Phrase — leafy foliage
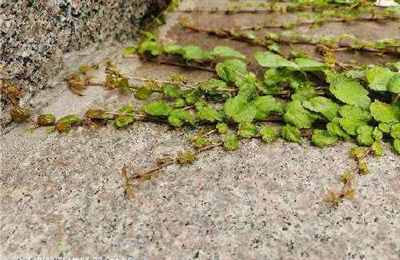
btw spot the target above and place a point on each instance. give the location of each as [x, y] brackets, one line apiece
[240, 110]
[231, 142]
[272, 60]
[352, 104]
[158, 109]
[379, 78]
[269, 133]
[231, 70]
[298, 96]
[226, 52]
[297, 115]
[349, 91]
[322, 105]
[291, 134]
[385, 113]
[323, 138]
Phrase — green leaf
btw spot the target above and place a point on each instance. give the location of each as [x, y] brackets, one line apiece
[322, 138]
[266, 105]
[64, 124]
[363, 167]
[150, 46]
[231, 70]
[385, 113]
[226, 52]
[175, 121]
[274, 76]
[349, 91]
[46, 120]
[222, 128]
[129, 51]
[193, 52]
[272, 60]
[240, 110]
[385, 127]
[359, 153]
[379, 78]
[297, 115]
[306, 64]
[231, 142]
[355, 74]
[394, 84]
[98, 114]
[269, 133]
[157, 108]
[291, 134]
[125, 116]
[274, 47]
[179, 116]
[207, 113]
[247, 86]
[199, 141]
[364, 135]
[247, 130]
[350, 125]
[335, 129]
[122, 121]
[70, 119]
[304, 93]
[377, 148]
[395, 132]
[396, 145]
[192, 96]
[355, 113]
[127, 109]
[179, 102]
[214, 87]
[377, 134]
[171, 90]
[173, 49]
[322, 105]
[185, 157]
[143, 93]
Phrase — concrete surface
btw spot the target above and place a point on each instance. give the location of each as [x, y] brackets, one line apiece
[62, 195]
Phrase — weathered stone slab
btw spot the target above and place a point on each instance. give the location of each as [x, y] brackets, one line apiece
[63, 195]
[35, 34]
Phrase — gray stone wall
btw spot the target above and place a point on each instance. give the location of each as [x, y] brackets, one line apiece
[34, 34]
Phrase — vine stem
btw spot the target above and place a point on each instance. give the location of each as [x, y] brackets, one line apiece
[159, 166]
[279, 8]
[166, 61]
[208, 147]
[311, 22]
[287, 39]
[150, 172]
[186, 65]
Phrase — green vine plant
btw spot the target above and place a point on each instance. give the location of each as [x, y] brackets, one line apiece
[297, 99]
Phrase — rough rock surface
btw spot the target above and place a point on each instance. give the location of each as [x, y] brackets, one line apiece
[34, 35]
[63, 195]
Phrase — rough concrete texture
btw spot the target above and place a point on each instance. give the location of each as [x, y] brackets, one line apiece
[34, 35]
[62, 195]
